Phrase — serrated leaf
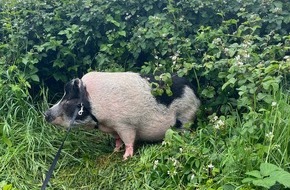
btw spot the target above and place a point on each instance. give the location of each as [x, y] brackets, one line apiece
[209, 92]
[266, 169]
[266, 182]
[255, 173]
[282, 177]
[248, 180]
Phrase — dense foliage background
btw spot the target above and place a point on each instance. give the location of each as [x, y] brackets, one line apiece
[235, 52]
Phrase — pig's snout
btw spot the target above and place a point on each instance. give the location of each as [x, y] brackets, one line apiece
[48, 116]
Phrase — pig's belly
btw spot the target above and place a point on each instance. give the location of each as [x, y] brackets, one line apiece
[152, 134]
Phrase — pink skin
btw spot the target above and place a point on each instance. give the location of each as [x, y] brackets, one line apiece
[129, 151]
[127, 135]
[119, 143]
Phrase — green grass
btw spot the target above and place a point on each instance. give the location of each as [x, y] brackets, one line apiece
[232, 144]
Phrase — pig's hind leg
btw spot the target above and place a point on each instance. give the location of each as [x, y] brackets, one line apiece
[127, 135]
[118, 143]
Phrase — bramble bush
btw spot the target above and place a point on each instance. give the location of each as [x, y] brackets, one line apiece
[236, 53]
[233, 51]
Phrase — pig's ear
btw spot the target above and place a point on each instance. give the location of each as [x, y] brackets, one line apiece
[76, 83]
[77, 87]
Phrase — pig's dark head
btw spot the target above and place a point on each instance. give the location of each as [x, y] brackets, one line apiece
[75, 97]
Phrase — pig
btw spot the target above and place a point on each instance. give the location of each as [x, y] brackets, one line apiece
[121, 103]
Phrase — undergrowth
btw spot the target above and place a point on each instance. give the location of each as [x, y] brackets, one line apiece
[236, 53]
[220, 154]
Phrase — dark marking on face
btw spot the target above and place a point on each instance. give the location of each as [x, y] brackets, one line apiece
[177, 88]
[75, 95]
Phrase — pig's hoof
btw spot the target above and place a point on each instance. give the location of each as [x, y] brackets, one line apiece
[128, 152]
[126, 157]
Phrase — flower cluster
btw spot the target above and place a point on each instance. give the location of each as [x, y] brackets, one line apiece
[218, 123]
[270, 135]
[155, 164]
[175, 57]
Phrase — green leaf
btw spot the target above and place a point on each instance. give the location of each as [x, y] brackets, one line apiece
[228, 187]
[7, 187]
[35, 78]
[109, 18]
[7, 141]
[266, 169]
[248, 180]
[278, 4]
[58, 64]
[282, 177]
[229, 82]
[168, 92]
[122, 33]
[208, 92]
[255, 173]
[25, 60]
[169, 134]
[266, 182]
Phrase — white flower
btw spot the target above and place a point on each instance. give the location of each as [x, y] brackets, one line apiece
[180, 150]
[174, 173]
[128, 17]
[215, 118]
[274, 104]
[270, 135]
[247, 55]
[220, 122]
[192, 177]
[210, 166]
[175, 162]
[239, 63]
[216, 126]
[174, 57]
[155, 164]
[217, 41]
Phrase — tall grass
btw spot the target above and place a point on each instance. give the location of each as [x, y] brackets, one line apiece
[217, 154]
[278, 131]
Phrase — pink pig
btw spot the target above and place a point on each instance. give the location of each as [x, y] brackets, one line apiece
[122, 104]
